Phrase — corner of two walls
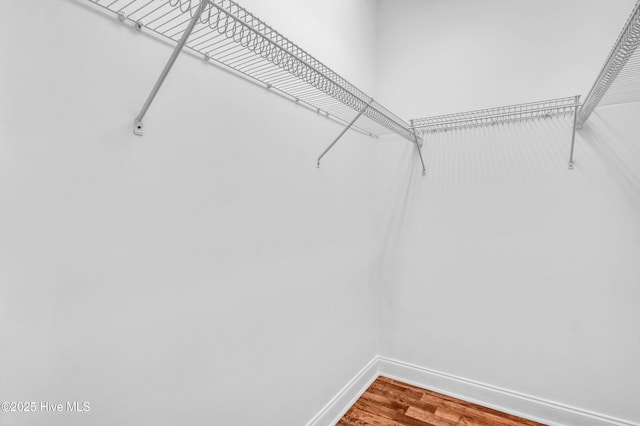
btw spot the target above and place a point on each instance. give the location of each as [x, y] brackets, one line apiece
[501, 266]
[179, 270]
[515, 272]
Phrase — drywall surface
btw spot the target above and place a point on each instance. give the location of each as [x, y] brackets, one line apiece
[440, 56]
[503, 267]
[206, 273]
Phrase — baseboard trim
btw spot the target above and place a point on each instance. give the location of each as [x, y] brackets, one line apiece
[346, 397]
[505, 400]
[519, 404]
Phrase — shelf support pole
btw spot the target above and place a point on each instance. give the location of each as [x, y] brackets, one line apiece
[343, 132]
[137, 126]
[573, 135]
[415, 138]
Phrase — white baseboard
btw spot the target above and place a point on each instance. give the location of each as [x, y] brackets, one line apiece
[505, 400]
[348, 395]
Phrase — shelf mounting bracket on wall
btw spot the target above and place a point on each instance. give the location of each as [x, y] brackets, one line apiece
[419, 146]
[362, 111]
[573, 135]
[137, 125]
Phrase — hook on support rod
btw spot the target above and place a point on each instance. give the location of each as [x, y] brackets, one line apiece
[137, 125]
[343, 132]
[573, 135]
[415, 138]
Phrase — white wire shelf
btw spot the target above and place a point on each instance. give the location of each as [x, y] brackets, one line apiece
[619, 78]
[626, 87]
[498, 115]
[503, 115]
[227, 34]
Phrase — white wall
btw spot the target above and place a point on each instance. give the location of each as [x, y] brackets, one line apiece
[502, 266]
[209, 273]
[204, 273]
[441, 56]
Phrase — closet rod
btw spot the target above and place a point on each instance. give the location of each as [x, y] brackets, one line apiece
[622, 50]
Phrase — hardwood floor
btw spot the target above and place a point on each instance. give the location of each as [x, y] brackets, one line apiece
[388, 402]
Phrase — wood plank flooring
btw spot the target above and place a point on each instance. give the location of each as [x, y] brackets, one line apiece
[388, 402]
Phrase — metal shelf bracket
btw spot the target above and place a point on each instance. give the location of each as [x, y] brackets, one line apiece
[573, 135]
[419, 145]
[343, 132]
[137, 126]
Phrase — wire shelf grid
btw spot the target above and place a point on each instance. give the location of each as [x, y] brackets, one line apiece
[497, 115]
[626, 87]
[622, 63]
[229, 35]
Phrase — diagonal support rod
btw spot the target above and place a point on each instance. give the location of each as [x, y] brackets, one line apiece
[343, 132]
[137, 126]
[573, 135]
[415, 138]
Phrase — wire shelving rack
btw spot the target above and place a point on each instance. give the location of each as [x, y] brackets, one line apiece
[223, 32]
[621, 70]
[626, 87]
[497, 115]
[502, 115]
